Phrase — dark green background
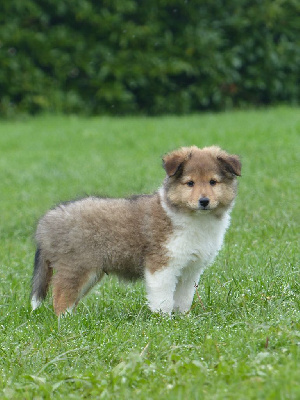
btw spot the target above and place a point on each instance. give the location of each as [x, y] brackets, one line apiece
[147, 57]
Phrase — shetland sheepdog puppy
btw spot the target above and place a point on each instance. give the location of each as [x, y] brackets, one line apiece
[166, 238]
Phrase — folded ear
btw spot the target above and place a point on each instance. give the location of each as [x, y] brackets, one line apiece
[173, 162]
[230, 163]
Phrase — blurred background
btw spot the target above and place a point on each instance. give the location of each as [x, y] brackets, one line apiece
[151, 57]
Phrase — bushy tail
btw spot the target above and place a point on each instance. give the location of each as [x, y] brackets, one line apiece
[41, 278]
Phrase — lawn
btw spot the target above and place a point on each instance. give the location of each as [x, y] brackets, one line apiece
[241, 339]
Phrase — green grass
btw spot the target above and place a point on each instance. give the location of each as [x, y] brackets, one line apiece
[241, 341]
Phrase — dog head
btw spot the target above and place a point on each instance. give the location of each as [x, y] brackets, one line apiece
[201, 180]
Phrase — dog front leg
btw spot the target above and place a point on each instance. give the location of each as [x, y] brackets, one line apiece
[160, 287]
[185, 289]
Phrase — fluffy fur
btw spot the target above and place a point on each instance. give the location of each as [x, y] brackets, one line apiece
[167, 238]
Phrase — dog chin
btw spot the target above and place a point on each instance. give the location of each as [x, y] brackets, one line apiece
[204, 210]
[200, 210]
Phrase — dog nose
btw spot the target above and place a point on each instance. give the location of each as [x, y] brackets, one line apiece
[204, 201]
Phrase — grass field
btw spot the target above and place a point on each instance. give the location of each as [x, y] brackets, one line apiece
[241, 339]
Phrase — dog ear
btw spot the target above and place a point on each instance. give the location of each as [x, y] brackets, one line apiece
[230, 163]
[173, 162]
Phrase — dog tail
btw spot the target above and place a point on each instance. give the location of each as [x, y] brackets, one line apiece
[41, 278]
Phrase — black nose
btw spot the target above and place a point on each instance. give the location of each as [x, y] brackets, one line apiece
[204, 201]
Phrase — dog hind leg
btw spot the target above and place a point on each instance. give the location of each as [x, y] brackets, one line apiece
[70, 288]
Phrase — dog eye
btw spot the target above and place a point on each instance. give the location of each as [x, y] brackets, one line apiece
[190, 183]
[212, 182]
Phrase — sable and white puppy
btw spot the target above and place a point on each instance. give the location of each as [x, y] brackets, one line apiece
[167, 238]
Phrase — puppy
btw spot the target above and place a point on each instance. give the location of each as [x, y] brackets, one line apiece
[167, 238]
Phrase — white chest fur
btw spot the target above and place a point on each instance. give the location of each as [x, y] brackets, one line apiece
[196, 238]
